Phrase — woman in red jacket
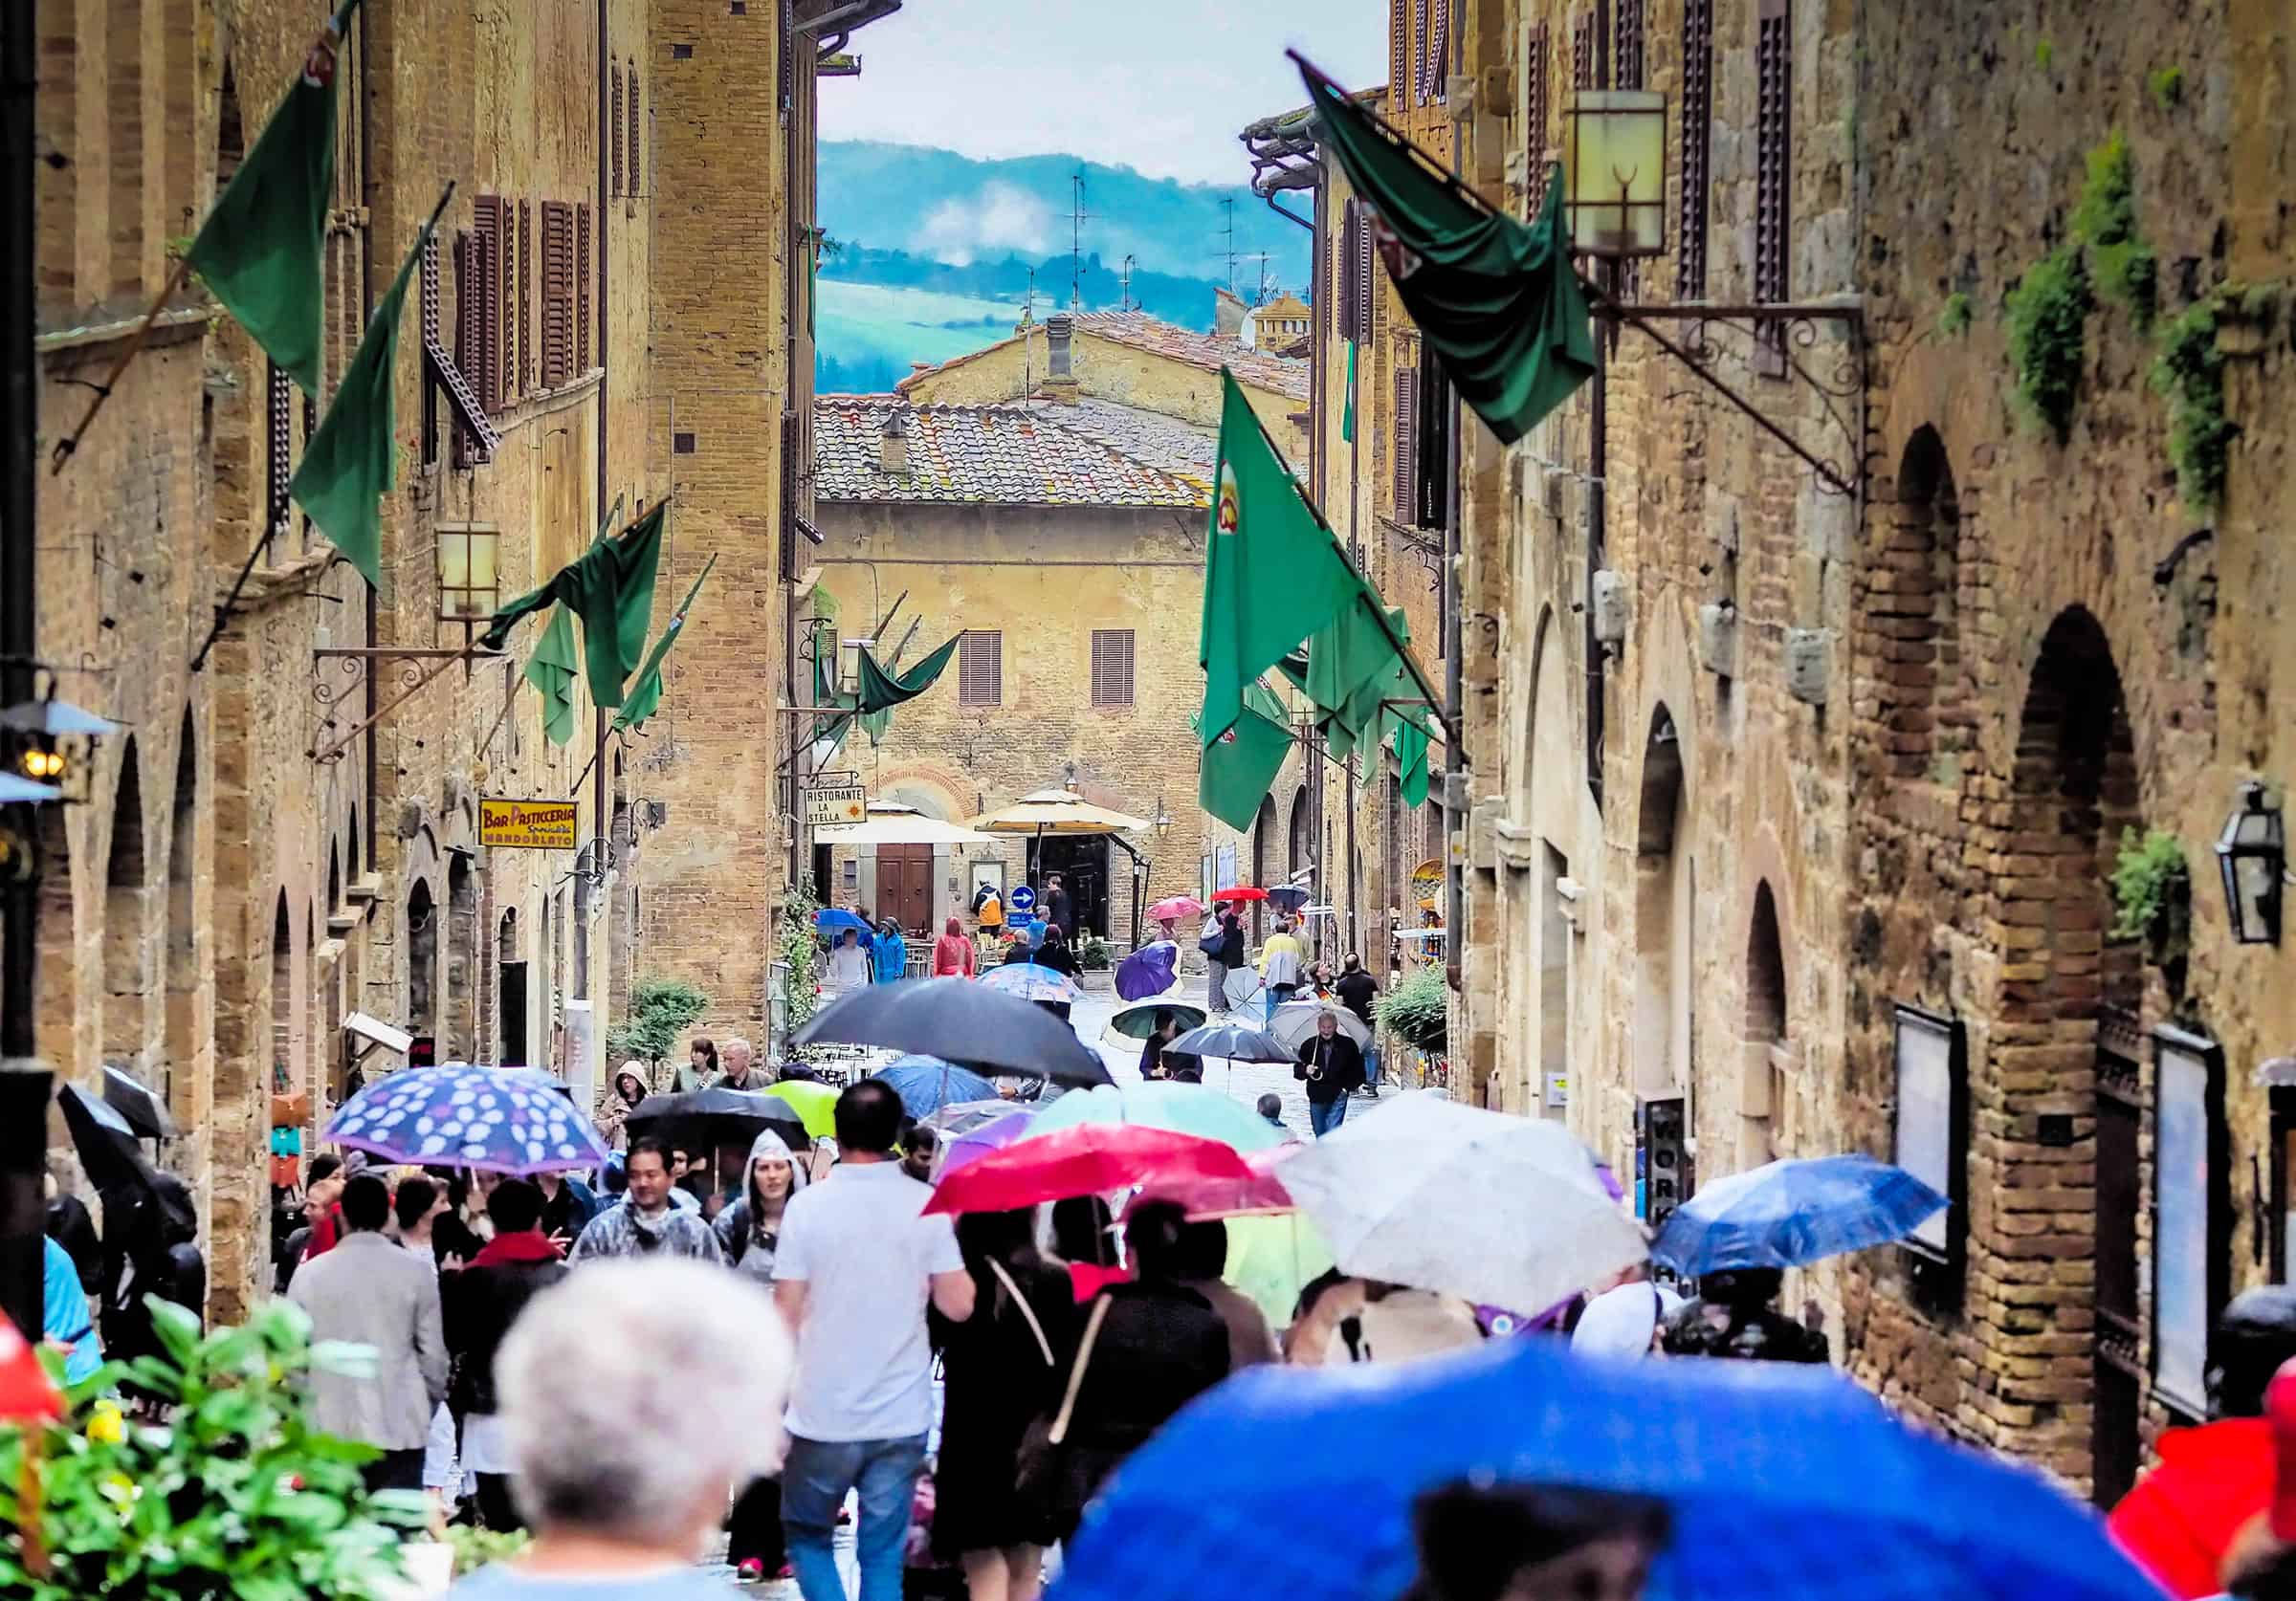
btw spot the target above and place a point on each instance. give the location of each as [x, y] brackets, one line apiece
[953, 955]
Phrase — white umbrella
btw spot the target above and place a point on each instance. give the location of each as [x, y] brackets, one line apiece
[1502, 1211]
[1057, 811]
[1294, 1023]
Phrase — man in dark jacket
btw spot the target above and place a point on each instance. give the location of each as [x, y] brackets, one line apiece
[567, 1207]
[1059, 912]
[480, 1304]
[149, 1240]
[1732, 1317]
[1356, 989]
[1331, 1065]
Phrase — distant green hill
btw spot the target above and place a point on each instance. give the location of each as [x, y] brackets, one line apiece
[934, 252]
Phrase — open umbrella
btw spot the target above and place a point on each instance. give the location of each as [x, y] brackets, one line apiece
[831, 920]
[108, 1151]
[510, 1119]
[1151, 970]
[816, 1102]
[1183, 1109]
[1205, 1200]
[1089, 1160]
[1507, 1211]
[961, 1022]
[1029, 981]
[1175, 908]
[1782, 1482]
[1239, 892]
[1289, 897]
[1787, 1213]
[1234, 1042]
[972, 1131]
[699, 1118]
[146, 1112]
[926, 1084]
[1294, 1023]
[1137, 1022]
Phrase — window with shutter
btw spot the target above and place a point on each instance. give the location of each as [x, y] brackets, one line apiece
[1351, 219]
[278, 395]
[513, 274]
[637, 135]
[1626, 48]
[1367, 276]
[582, 288]
[1406, 444]
[526, 294]
[1111, 666]
[558, 294]
[486, 238]
[1582, 51]
[474, 437]
[792, 440]
[1439, 53]
[1418, 53]
[785, 49]
[1772, 162]
[980, 669]
[1697, 140]
[1434, 441]
[1399, 58]
[615, 94]
[1539, 130]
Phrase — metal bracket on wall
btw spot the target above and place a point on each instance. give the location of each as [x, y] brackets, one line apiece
[1788, 329]
[417, 667]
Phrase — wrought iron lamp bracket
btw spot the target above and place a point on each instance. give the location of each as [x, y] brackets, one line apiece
[337, 675]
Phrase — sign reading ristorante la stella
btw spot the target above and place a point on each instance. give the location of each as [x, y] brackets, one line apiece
[528, 825]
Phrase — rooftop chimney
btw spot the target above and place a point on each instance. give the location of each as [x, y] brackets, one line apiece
[893, 445]
[1060, 375]
[1227, 314]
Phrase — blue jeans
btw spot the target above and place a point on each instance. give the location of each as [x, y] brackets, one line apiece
[1323, 1116]
[1371, 1065]
[1276, 996]
[814, 1481]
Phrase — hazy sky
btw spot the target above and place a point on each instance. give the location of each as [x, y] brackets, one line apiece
[1160, 85]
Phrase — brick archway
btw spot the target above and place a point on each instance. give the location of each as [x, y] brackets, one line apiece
[2053, 1149]
[1909, 646]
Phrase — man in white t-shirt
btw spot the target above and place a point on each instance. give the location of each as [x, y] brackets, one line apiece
[856, 1265]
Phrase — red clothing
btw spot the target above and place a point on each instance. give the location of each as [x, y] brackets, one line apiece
[1088, 1278]
[2180, 1519]
[524, 1246]
[953, 957]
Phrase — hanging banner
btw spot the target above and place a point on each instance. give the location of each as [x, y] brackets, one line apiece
[529, 825]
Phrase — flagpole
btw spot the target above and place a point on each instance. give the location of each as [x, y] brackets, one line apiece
[1395, 135]
[65, 446]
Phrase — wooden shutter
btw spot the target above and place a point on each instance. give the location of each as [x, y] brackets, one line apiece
[486, 239]
[792, 440]
[1367, 276]
[558, 294]
[1626, 49]
[279, 408]
[1537, 66]
[582, 288]
[785, 49]
[1111, 666]
[637, 133]
[980, 669]
[1399, 59]
[1772, 162]
[1697, 131]
[1439, 53]
[1582, 51]
[615, 94]
[1418, 53]
[1406, 444]
[526, 372]
[1351, 219]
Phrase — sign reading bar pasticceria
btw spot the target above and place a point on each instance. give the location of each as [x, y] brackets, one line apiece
[828, 805]
[528, 825]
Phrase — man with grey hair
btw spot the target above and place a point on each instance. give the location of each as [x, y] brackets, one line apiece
[619, 1487]
[737, 1053]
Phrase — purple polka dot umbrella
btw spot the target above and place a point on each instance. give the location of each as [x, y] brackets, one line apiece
[509, 1120]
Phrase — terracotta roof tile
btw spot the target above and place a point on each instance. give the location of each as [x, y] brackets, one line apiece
[1143, 331]
[980, 454]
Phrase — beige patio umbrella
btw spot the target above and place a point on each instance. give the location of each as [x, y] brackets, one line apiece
[890, 822]
[1057, 811]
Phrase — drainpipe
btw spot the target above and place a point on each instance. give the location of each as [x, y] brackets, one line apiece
[601, 846]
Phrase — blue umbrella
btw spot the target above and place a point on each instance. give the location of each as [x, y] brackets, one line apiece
[1288, 897]
[1783, 1483]
[961, 1020]
[829, 920]
[926, 1084]
[1234, 1042]
[1791, 1213]
[1148, 971]
[1030, 981]
[513, 1120]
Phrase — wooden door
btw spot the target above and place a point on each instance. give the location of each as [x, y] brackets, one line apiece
[905, 886]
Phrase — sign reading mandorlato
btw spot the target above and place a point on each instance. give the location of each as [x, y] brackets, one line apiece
[528, 825]
[832, 805]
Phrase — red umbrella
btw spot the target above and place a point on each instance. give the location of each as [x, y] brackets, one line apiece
[1090, 1159]
[26, 1393]
[1245, 893]
[1262, 1195]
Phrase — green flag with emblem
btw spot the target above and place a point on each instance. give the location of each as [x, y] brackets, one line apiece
[261, 249]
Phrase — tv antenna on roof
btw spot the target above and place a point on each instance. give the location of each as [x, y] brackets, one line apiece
[1261, 256]
[1124, 295]
[1230, 205]
[1076, 244]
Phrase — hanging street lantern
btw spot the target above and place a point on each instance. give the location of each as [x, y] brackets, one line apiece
[470, 586]
[2253, 854]
[1615, 173]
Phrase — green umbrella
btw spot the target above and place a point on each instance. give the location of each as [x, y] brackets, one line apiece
[815, 1103]
[1137, 1022]
[1182, 1109]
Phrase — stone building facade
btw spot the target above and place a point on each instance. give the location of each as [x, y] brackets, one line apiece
[260, 854]
[1805, 774]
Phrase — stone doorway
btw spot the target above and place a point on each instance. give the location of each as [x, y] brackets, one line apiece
[905, 887]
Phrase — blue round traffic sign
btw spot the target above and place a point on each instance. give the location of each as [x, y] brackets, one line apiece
[1023, 898]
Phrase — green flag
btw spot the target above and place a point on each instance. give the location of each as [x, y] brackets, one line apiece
[611, 589]
[646, 694]
[1355, 654]
[1274, 574]
[260, 249]
[882, 690]
[352, 461]
[551, 670]
[1347, 417]
[1411, 751]
[1495, 300]
[1237, 767]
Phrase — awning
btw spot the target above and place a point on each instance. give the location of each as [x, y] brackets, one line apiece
[890, 822]
[1057, 811]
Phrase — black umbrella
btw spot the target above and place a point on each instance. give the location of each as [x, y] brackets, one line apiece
[961, 1022]
[1234, 1042]
[698, 1118]
[146, 1112]
[106, 1145]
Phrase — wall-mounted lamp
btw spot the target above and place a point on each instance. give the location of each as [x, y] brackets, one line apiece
[50, 743]
[2253, 854]
[1615, 173]
[469, 584]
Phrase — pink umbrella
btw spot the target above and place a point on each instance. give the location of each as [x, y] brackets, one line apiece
[1173, 907]
[1090, 1159]
[1262, 1195]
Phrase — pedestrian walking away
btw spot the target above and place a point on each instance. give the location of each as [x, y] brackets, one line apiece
[370, 1292]
[1059, 910]
[749, 1233]
[1356, 991]
[1280, 967]
[648, 1222]
[856, 1266]
[1057, 955]
[605, 1462]
[483, 1303]
[1199, 1262]
[1270, 1108]
[1331, 1067]
[953, 955]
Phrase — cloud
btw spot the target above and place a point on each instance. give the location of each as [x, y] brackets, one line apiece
[998, 220]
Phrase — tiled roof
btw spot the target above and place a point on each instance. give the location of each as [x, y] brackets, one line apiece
[1182, 449]
[1143, 331]
[980, 454]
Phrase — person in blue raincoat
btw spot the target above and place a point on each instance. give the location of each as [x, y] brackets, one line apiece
[889, 951]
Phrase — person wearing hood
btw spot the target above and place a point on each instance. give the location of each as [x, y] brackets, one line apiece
[1732, 1317]
[480, 1305]
[646, 1223]
[889, 954]
[152, 1253]
[613, 1120]
[2180, 1520]
[748, 1232]
[953, 955]
[1624, 1321]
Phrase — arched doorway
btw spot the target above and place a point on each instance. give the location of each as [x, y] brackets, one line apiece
[126, 937]
[1914, 640]
[286, 1058]
[422, 961]
[510, 975]
[1660, 1043]
[182, 1028]
[462, 959]
[1768, 1078]
[1301, 858]
[2073, 792]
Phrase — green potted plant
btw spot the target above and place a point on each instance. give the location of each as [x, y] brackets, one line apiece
[1416, 1009]
[237, 1498]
